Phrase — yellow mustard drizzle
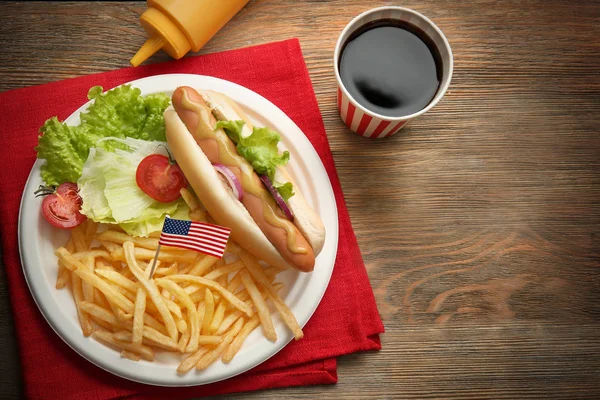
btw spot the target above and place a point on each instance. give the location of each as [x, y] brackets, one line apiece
[228, 156]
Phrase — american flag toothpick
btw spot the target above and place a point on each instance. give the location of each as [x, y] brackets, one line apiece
[193, 235]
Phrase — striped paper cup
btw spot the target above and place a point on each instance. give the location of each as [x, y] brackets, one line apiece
[370, 124]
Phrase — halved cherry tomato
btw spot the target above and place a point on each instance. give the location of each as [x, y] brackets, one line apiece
[61, 207]
[159, 178]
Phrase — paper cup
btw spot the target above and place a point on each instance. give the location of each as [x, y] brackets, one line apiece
[370, 124]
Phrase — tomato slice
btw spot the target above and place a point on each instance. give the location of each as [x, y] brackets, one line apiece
[160, 179]
[62, 208]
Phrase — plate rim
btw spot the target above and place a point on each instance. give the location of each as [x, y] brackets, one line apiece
[96, 360]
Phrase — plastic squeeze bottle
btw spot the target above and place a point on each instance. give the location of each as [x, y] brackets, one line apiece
[178, 26]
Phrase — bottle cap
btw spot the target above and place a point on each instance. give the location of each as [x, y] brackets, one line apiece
[151, 46]
[164, 34]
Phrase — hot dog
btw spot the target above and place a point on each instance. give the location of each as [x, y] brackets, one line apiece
[257, 220]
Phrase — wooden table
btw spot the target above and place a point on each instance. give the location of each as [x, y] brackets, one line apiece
[479, 223]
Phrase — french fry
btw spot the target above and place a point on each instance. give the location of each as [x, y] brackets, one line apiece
[79, 270]
[196, 295]
[132, 287]
[277, 286]
[113, 307]
[183, 341]
[215, 286]
[84, 319]
[234, 283]
[167, 344]
[89, 231]
[110, 246]
[152, 290]
[119, 279]
[164, 271]
[107, 337]
[198, 215]
[190, 361]
[63, 276]
[256, 270]
[182, 325]
[123, 316]
[138, 316]
[209, 339]
[151, 322]
[209, 309]
[213, 354]
[171, 306]
[236, 344]
[127, 273]
[102, 324]
[222, 280]
[129, 295]
[130, 355]
[218, 316]
[123, 335]
[272, 272]
[86, 288]
[224, 270]
[70, 246]
[228, 321]
[100, 299]
[120, 238]
[99, 312]
[287, 315]
[192, 313]
[203, 265]
[190, 199]
[185, 270]
[196, 304]
[232, 247]
[102, 265]
[261, 307]
[243, 295]
[78, 237]
[224, 306]
[201, 311]
[146, 266]
[163, 255]
[151, 337]
[93, 253]
[235, 315]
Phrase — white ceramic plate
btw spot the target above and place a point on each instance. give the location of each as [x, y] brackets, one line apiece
[303, 292]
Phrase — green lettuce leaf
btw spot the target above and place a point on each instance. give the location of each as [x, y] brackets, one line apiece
[285, 191]
[110, 192]
[260, 150]
[121, 112]
[63, 148]
[148, 224]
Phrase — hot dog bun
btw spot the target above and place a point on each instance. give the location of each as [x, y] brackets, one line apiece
[257, 222]
[305, 218]
[220, 202]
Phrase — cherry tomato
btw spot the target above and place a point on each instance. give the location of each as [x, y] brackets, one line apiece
[160, 179]
[61, 208]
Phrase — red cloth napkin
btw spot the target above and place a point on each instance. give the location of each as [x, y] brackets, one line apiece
[347, 319]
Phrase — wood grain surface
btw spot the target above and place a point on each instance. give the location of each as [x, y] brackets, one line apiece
[479, 223]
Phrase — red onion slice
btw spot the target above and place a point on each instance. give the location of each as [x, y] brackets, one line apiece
[282, 204]
[231, 179]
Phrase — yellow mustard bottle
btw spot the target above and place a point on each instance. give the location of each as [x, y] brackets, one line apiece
[178, 26]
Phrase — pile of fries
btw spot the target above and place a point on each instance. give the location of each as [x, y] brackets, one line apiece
[195, 304]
